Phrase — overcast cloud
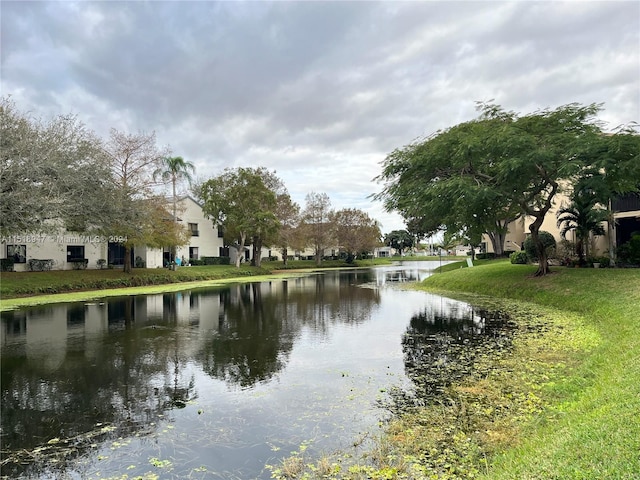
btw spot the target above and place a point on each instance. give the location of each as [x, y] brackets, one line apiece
[319, 91]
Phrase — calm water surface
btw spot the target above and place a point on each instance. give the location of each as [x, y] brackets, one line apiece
[217, 383]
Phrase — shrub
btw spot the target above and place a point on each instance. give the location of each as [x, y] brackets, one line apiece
[36, 265]
[80, 264]
[602, 260]
[216, 260]
[629, 252]
[566, 249]
[485, 256]
[6, 264]
[548, 240]
[101, 263]
[519, 258]
[139, 262]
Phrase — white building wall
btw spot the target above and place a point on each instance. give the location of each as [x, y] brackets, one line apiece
[55, 247]
[207, 241]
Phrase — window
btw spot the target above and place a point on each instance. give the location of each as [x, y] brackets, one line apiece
[220, 232]
[193, 228]
[18, 253]
[115, 254]
[75, 252]
[193, 253]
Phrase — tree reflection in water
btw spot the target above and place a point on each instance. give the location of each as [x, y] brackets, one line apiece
[442, 345]
[78, 375]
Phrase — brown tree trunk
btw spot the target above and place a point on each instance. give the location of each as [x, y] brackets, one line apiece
[127, 259]
[256, 261]
[543, 261]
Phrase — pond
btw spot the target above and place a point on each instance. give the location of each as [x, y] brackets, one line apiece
[220, 382]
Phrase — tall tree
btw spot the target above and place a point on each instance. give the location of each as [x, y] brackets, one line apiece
[355, 232]
[174, 170]
[288, 215]
[266, 232]
[498, 167]
[241, 203]
[539, 151]
[52, 174]
[399, 240]
[445, 183]
[316, 223]
[134, 158]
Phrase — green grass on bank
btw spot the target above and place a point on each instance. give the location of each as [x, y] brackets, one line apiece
[591, 426]
[19, 284]
[14, 284]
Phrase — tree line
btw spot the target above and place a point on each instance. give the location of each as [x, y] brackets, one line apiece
[479, 176]
[59, 174]
[253, 207]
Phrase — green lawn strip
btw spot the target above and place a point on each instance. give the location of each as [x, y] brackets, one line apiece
[13, 284]
[589, 426]
[16, 284]
[13, 303]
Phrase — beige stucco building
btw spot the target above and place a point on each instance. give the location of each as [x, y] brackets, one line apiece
[626, 213]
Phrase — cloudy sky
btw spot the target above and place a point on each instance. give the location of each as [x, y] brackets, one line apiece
[320, 92]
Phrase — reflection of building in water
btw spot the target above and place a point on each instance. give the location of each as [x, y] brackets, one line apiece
[43, 332]
[405, 271]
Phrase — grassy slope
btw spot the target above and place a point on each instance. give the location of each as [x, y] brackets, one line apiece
[596, 428]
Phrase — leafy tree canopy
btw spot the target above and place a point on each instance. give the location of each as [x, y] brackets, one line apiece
[315, 224]
[50, 172]
[355, 231]
[288, 215]
[240, 201]
[483, 174]
[399, 239]
[135, 207]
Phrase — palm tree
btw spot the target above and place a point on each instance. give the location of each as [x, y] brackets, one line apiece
[582, 217]
[175, 169]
